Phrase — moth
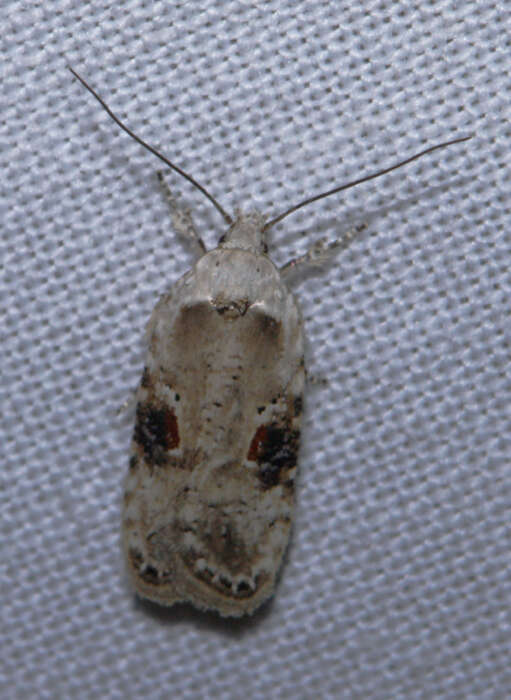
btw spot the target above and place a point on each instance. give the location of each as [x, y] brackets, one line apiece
[208, 502]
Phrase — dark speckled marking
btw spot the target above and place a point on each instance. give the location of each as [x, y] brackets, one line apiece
[136, 558]
[237, 307]
[275, 449]
[146, 378]
[149, 574]
[156, 431]
[225, 582]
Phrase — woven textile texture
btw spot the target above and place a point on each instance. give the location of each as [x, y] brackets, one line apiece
[397, 583]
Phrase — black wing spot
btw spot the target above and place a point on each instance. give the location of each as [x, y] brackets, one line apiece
[275, 449]
[149, 574]
[156, 430]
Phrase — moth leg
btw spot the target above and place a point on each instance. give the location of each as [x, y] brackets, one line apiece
[181, 218]
[321, 250]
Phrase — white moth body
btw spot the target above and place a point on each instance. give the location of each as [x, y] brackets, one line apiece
[209, 494]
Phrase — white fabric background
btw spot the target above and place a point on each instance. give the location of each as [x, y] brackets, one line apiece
[398, 579]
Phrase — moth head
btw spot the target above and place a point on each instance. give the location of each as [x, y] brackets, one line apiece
[246, 232]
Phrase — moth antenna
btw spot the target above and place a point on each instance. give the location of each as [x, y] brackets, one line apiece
[309, 200]
[159, 155]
